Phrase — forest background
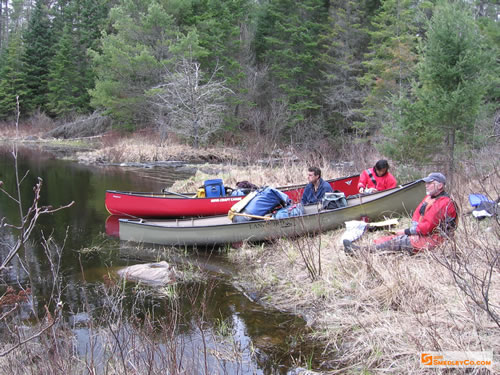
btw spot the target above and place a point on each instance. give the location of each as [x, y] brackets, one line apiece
[419, 80]
[416, 81]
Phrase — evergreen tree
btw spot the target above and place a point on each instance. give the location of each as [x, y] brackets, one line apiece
[38, 51]
[346, 41]
[77, 24]
[392, 57]
[218, 25]
[131, 60]
[67, 91]
[221, 27]
[12, 79]
[288, 39]
[445, 101]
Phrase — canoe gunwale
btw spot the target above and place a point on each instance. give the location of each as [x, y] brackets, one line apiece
[169, 230]
[165, 205]
[191, 195]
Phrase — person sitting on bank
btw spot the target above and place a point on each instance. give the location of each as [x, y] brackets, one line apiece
[433, 221]
[316, 188]
[376, 179]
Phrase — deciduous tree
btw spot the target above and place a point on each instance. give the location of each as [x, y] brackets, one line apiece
[189, 103]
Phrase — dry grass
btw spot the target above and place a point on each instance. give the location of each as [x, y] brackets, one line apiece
[375, 312]
[141, 148]
[289, 173]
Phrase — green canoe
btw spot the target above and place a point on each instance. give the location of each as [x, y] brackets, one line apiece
[219, 229]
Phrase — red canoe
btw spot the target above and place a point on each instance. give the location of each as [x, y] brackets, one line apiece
[181, 205]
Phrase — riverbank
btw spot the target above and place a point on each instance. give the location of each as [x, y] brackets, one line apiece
[375, 313]
[372, 313]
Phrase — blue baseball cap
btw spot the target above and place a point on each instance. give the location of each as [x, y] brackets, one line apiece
[436, 176]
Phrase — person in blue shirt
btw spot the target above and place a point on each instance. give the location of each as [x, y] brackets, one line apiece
[316, 188]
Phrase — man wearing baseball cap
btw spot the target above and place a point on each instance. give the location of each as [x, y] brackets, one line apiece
[433, 221]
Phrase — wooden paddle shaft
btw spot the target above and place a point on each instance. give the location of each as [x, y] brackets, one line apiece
[253, 216]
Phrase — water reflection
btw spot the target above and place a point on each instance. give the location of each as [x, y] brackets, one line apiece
[265, 339]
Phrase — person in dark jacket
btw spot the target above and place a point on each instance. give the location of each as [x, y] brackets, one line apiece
[433, 221]
[316, 188]
[376, 179]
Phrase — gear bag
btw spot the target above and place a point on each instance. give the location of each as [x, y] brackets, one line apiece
[289, 211]
[333, 200]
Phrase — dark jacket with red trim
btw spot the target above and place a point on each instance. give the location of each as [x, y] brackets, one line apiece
[434, 219]
[387, 181]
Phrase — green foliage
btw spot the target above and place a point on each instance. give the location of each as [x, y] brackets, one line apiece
[294, 68]
[131, 60]
[218, 25]
[288, 40]
[12, 79]
[449, 94]
[390, 62]
[346, 40]
[67, 85]
[38, 51]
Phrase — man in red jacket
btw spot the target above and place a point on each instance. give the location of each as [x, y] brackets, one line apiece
[376, 179]
[433, 221]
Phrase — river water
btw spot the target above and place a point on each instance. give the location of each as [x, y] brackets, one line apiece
[269, 341]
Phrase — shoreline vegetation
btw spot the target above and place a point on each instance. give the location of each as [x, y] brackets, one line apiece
[372, 313]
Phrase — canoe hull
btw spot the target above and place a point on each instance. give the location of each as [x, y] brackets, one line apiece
[135, 204]
[218, 230]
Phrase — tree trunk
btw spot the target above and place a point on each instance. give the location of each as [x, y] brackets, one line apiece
[1, 25]
[196, 135]
[450, 163]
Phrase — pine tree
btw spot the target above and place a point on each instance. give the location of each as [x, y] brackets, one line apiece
[12, 79]
[131, 60]
[77, 25]
[288, 40]
[66, 84]
[445, 101]
[346, 41]
[38, 52]
[221, 27]
[392, 57]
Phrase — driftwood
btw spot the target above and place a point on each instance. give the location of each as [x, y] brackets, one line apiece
[95, 124]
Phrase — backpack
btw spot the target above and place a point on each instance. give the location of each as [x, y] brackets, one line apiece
[333, 200]
[214, 188]
[246, 185]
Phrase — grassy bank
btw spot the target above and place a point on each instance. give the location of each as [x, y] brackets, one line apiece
[376, 312]
[373, 313]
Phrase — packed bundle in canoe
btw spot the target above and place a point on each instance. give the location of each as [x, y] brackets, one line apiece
[168, 204]
[220, 229]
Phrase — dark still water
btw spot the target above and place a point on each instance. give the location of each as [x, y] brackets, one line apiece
[216, 328]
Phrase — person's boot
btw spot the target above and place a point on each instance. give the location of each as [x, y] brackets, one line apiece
[349, 247]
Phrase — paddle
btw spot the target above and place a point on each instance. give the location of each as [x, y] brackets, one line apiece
[171, 192]
[253, 216]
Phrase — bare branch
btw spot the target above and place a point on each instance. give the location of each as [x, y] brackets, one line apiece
[188, 104]
[22, 342]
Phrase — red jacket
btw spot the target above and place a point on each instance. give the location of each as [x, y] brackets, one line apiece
[433, 222]
[384, 182]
